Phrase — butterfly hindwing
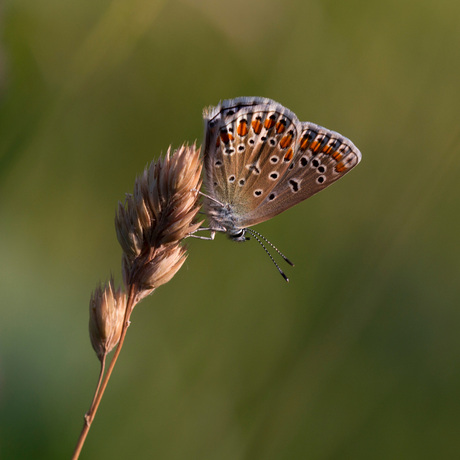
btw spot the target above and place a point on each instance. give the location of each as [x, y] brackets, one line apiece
[321, 158]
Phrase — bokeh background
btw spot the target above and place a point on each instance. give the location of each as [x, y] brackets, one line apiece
[357, 357]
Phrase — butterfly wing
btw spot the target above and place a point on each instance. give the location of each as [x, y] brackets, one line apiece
[321, 157]
[261, 160]
[248, 147]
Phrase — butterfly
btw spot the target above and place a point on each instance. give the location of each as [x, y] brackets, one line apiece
[260, 160]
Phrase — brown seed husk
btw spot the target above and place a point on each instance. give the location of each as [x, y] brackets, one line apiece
[106, 314]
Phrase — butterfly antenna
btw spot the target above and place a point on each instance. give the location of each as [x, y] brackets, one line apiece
[254, 233]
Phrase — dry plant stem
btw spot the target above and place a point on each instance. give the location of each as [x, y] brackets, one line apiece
[102, 383]
[99, 382]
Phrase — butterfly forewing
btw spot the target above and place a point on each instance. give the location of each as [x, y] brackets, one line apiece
[248, 149]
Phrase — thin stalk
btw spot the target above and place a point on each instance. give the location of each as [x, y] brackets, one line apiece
[102, 383]
[99, 382]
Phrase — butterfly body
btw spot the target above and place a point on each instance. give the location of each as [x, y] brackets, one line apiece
[261, 160]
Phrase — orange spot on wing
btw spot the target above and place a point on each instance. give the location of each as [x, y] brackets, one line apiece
[257, 126]
[286, 141]
[327, 149]
[226, 137]
[242, 129]
[340, 167]
[280, 127]
[314, 146]
[337, 156]
[269, 123]
[304, 143]
[289, 155]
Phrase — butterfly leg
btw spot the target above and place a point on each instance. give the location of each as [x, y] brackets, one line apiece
[201, 229]
[207, 196]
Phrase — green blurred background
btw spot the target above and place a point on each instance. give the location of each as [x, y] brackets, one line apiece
[357, 357]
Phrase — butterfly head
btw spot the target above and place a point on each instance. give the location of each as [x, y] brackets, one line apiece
[238, 234]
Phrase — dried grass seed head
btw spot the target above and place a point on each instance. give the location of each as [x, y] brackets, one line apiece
[106, 315]
[163, 206]
[160, 269]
